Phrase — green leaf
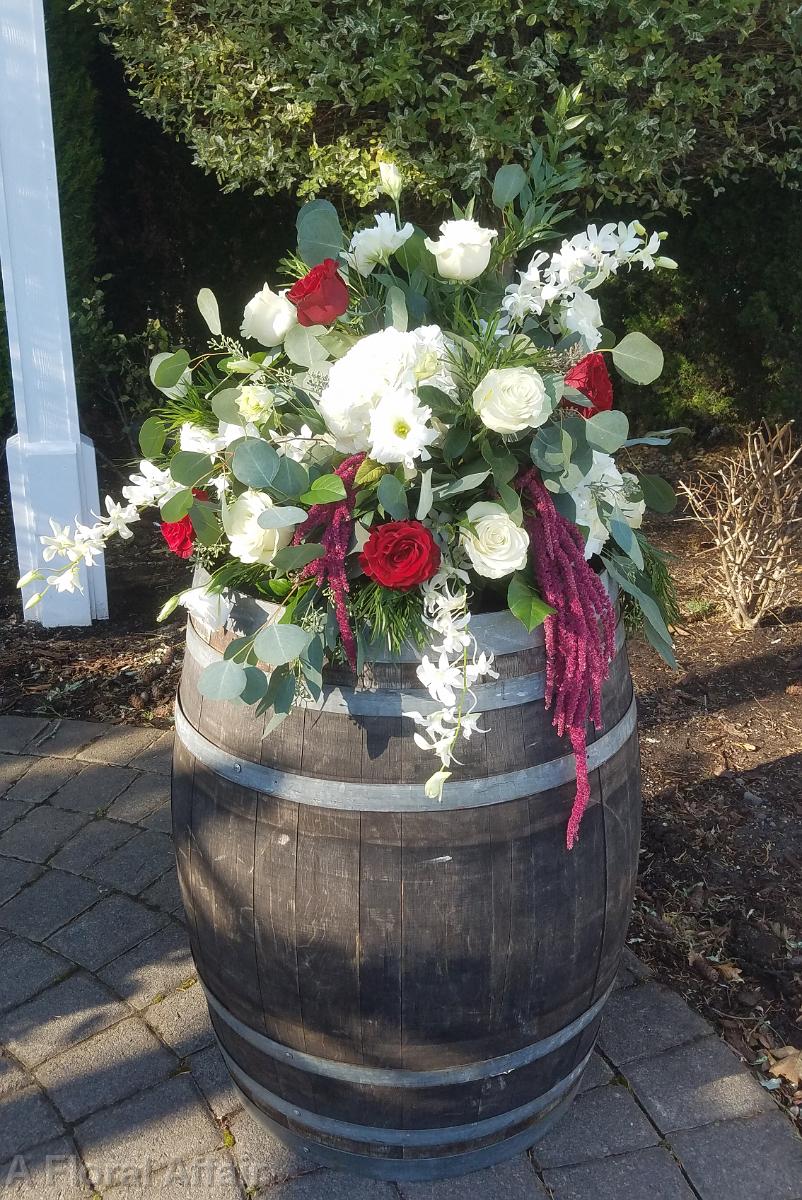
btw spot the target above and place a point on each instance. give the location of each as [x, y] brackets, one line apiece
[455, 442]
[254, 463]
[426, 496]
[369, 472]
[255, 685]
[189, 467]
[508, 184]
[169, 370]
[658, 493]
[392, 497]
[302, 347]
[225, 406]
[648, 605]
[279, 644]
[169, 607]
[281, 518]
[624, 536]
[177, 506]
[663, 648]
[293, 557]
[290, 479]
[319, 233]
[208, 308]
[152, 437]
[441, 404]
[326, 489]
[638, 358]
[312, 666]
[465, 484]
[511, 501]
[525, 604]
[206, 523]
[223, 680]
[395, 309]
[607, 431]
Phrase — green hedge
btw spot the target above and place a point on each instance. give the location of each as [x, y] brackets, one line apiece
[295, 94]
[71, 45]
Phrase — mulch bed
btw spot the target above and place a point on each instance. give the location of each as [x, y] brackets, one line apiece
[718, 912]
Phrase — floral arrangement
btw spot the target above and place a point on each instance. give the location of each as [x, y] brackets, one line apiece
[407, 433]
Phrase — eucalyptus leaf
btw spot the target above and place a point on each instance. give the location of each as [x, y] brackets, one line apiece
[291, 478]
[455, 442]
[426, 496]
[169, 370]
[658, 493]
[320, 235]
[395, 309]
[209, 310]
[607, 431]
[256, 685]
[392, 497]
[223, 680]
[301, 345]
[638, 358]
[189, 467]
[279, 517]
[254, 463]
[291, 558]
[625, 537]
[278, 644]
[649, 606]
[465, 484]
[508, 184]
[206, 523]
[225, 406]
[152, 437]
[177, 506]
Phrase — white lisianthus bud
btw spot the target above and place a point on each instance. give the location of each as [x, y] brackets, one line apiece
[463, 250]
[268, 317]
[392, 181]
[248, 541]
[510, 399]
[493, 542]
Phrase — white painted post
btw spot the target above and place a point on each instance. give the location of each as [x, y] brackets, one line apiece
[51, 465]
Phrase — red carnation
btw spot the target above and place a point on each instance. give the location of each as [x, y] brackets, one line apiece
[400, 555]
[321, 296]
[591, 377]
[180, 535]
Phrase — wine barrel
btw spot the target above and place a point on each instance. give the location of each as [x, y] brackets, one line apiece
[401, 987]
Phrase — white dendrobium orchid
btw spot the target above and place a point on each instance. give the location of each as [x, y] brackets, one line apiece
[268, 317]
[442, 680]
[297, 447]
[60, 543]
[399, 429]
[581, 314]
[462, 250]
[151, 486]
[372, 246]
[119, 518]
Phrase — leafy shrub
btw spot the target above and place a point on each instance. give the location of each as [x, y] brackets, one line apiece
[295, 94]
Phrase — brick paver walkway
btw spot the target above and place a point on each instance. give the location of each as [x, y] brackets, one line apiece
[110, 1084]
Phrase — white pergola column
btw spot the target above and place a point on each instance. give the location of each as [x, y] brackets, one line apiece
[51, 465]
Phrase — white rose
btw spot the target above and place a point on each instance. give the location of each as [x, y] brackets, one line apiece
[369, 247]
[495, 545]
[510, 399]
[268, 317]
[249, 542]
[463, 250]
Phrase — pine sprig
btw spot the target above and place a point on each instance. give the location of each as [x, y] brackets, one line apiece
[391, 616]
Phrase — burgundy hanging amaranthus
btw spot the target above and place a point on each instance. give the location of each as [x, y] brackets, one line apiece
[337, 517]
[580, 635]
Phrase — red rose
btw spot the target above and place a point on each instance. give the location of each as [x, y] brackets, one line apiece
[591, 377]
[180, 535]
[400, 555]
[321, 296]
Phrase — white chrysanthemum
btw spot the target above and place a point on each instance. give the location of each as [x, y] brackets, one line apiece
[379, 364]
[399, 429]
[372, 246]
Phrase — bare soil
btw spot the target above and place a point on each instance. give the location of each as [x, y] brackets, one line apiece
[718, 913]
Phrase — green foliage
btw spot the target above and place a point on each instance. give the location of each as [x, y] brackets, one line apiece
[657, 569]
[388, 616]
[301, 95]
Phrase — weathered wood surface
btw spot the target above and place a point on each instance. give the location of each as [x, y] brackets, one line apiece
[349, 955]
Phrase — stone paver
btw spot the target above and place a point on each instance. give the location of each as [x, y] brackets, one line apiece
[26, 1117]
[182, 1020]
[124, 1058]
[645, 1175]
[91, 843]
[153, 968]
[26, 970]
[118, 744]
[742, 1159]
[40, 833]
[58, 1018]
[143, 797]
[604, 1121]
[164, 1124]
[136, 864]
[50, 1171]
[514, 1180]
[16, 732]
[93, 788]
[210, 1073]
[644, 1020]
[105, 1068]
[14, 875]
[696, 1084]
[41, 780]
[47, 904]
[105, 931]
[262, 1160]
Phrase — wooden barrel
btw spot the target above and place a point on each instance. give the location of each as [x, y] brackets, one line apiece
[401, 987]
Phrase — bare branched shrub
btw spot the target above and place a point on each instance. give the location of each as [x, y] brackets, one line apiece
[751, 506]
